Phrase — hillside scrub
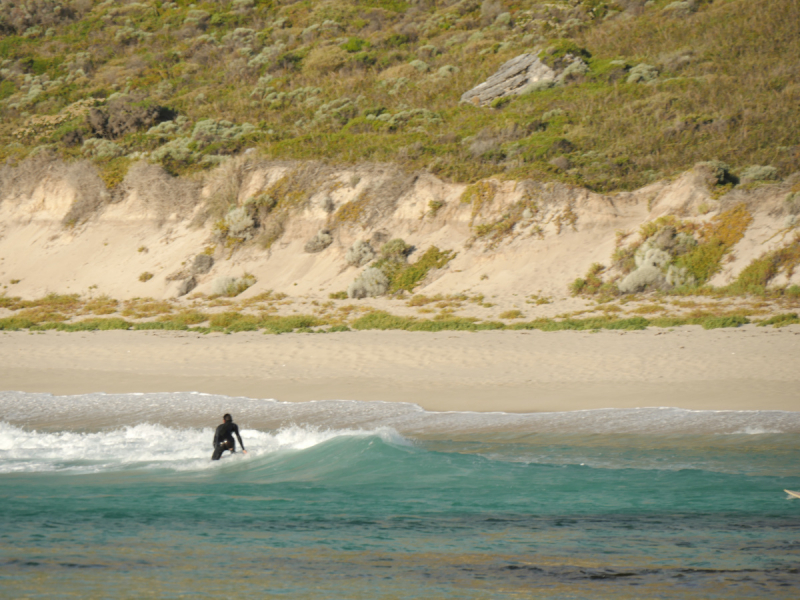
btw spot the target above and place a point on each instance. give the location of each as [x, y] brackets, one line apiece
[187, 86]
[679, 256]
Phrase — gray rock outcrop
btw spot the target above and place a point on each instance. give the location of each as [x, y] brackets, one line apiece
[186, 286]
[515, 77]
[202, 264]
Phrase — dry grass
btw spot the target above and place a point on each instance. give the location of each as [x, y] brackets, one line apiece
[538, 299]
[160, 192]
[41, 314]
[90, 191]
[103, 305]
[144, 308]
[186, 317]
[442, 301]
[648, 309]
[386, 184]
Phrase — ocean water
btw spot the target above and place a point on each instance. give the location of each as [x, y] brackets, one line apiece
[114, 496]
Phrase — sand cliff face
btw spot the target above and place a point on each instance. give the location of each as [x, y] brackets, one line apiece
[520, 237]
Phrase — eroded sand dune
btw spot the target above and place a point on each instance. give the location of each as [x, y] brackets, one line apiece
[157, 224]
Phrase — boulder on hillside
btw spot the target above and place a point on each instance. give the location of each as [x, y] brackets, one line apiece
[523, 74]
[511, 79]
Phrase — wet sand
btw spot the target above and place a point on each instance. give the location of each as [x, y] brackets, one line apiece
[749, 368]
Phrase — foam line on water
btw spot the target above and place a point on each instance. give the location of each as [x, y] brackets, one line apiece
[191, 409]
[151, 446]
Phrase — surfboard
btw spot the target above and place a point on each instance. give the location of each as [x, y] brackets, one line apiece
[791, 493]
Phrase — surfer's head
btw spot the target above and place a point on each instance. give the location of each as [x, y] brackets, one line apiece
[227, 418]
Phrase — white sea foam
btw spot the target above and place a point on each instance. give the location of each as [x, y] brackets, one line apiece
[150, 446]
[195, 410]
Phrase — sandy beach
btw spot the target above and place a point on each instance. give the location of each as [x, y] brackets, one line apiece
[749, 368]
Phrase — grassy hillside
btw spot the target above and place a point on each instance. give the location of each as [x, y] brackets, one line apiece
[185, 84]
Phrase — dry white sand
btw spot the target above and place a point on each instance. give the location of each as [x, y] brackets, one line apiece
[749, 368]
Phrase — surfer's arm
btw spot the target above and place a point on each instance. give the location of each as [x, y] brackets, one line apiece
[238, 437]
[216, 438]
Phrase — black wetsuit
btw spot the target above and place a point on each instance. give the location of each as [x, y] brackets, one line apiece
[223, 439]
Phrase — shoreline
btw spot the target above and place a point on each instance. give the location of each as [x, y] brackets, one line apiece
[747, 368]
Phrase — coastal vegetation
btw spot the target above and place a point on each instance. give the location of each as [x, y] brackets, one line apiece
[277, 313]
[335, 109]
[665, 85]
[680, 257]
[237, 322]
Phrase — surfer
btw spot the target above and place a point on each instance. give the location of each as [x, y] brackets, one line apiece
[223, 437]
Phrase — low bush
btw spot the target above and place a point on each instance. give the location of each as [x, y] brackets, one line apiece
[632, 324]
[359, 254]
[395, 249]
[15, 323]
[382, 320]
[226, 319]
[163, 325]
[87, 325]
[289, 324]
[188, 317]
[319, 242]
[781, 320]
[371, 283]
[232, 286]
[756, 276]
[718, 322]
[410, 276]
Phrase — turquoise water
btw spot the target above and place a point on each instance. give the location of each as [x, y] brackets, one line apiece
[114, 496]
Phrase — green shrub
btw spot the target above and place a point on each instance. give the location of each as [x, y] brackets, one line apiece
[187, 317]
[718, 322]
[89, 325]
[434, 206]
[15, 323]
[592, 283]
[410, 276]
[781, 320]
[756, 276]
[355, 44]
[163, 325]
[382, 320]
[395, 249]
[635, 323]
[716, 239]
[289, 324]
[560, 48]
[225, 319]
[7, 88]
